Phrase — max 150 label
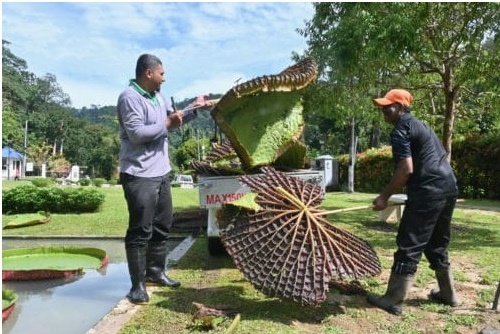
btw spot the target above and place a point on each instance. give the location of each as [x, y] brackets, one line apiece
[223, 198]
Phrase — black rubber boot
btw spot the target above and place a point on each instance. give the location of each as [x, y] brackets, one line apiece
[446, 293]
[397, 288]
[155, 270]
[136, 259]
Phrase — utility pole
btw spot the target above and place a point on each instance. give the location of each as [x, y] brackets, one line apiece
[352, 158]
[23, 169]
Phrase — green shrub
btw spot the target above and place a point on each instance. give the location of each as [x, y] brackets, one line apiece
[99, 182]
[373, 169]
[84, 182]
[85, 200]
[42, 182]
[476, 162]
[30, 199]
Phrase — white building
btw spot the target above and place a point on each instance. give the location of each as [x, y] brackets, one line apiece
[12, 162]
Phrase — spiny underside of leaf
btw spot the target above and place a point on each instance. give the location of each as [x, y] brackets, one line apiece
[287, 248]
[221, 161]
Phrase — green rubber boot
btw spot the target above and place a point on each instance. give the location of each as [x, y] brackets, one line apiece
[446, 293]
[155, 270]
[392, 300]
[136, 260]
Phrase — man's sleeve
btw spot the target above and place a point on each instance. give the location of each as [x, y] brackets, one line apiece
[400, 141]
[134, 124]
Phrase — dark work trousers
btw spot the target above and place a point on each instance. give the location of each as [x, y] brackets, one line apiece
[424, 228]
[149, 202]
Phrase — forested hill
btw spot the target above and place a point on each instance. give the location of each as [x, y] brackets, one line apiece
[107, 115]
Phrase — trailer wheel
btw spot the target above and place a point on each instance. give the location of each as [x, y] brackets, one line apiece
[215, 247]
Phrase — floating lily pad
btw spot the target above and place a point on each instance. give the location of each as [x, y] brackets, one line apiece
[9, 298]
[50, 262]
[28, 220]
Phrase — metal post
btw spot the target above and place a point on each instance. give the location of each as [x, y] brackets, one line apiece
[197, 143]
[495, 300]
[8, 164]
[23, 168]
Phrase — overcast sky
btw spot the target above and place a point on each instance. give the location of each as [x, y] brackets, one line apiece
[206, 47]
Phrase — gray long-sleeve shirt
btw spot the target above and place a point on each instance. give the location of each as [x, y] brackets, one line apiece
[143, 134]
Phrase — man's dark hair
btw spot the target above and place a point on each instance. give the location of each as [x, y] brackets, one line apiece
[146, 62]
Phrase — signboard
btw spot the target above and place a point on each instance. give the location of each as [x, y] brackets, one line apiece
[214, 191]
[29, 166]
[75, 173]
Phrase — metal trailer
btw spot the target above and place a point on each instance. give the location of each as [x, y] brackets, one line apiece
[217, 190]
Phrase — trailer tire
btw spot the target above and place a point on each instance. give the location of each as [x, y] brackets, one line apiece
[215, 247]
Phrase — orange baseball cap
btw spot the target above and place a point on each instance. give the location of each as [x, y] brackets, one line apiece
[400, 96]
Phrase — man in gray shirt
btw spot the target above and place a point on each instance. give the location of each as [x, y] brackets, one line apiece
[145, 117]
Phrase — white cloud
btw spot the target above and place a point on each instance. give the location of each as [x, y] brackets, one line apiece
[92, 47]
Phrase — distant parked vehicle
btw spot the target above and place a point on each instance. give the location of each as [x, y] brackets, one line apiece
[183, 181]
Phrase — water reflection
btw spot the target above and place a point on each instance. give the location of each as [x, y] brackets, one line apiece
[71, 305]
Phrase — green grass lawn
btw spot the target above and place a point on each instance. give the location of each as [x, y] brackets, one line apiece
[111, 220]
[474, 253]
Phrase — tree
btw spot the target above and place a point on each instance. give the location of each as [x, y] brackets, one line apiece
[14, 70]
[436, 50]
[59, 166]
[39, 155]
[12, 129]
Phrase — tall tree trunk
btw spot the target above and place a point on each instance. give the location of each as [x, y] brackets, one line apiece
[352, 159]
[451, 98]
[374, 140]
[449, 121]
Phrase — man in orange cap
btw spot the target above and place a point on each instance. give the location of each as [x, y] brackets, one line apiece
[425, 228]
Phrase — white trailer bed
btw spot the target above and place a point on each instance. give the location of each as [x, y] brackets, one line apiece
[217, 190]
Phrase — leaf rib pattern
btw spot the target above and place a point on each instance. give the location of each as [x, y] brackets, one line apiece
[287, 249]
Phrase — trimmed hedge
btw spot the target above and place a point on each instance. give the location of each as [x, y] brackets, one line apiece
[373, 169]
[30, 199]
[475, 161]
[99, 182]
[42, 182]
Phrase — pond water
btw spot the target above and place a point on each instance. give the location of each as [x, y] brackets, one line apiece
[72, 305]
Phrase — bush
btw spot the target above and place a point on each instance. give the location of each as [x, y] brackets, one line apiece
[84, 182]
[84, 200]
[42, 182]
[31, 199]
[99, 182]
[372, 172]
[476, 162]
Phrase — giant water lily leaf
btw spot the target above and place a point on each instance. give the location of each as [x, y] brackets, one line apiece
[9, 298]
[287, 248]
[222, 160]
[262, 118]
[50, 262]
[29, 219]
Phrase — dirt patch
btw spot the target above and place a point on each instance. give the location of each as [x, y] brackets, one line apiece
[340, 314]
